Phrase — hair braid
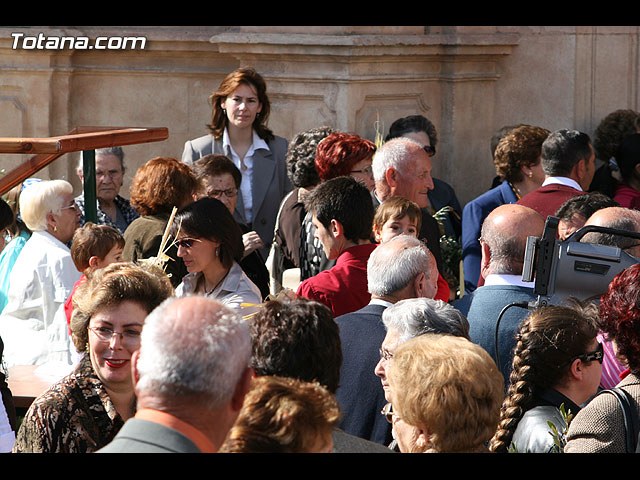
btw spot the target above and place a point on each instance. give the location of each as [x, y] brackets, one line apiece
[519, 393]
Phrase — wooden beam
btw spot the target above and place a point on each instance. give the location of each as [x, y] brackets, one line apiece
[48, 149]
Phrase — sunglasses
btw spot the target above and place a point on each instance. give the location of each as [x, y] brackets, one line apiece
[597, 354]
[187, 242]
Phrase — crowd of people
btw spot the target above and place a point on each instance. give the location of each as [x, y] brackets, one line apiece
[170, 327]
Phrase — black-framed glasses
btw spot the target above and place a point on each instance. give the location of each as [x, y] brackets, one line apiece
[229, 193]
[366, 170]
[597, 354]
[431, 151]
[187, 242]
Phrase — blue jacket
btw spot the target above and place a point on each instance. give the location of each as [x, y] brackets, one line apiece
[473, 215]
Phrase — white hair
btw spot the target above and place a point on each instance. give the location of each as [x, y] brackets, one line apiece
[41, 198]
[204, 361]
[416, 316]
[392, 154]
[387, 274]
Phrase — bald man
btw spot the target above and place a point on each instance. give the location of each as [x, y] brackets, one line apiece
[620, 218]
[503, 242]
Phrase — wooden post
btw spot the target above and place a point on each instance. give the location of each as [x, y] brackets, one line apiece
[90, 194]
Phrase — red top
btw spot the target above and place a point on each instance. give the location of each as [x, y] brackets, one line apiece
[546, 200]
[68, 305]
[342, 288]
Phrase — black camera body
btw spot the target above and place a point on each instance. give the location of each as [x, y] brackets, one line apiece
[569, 268]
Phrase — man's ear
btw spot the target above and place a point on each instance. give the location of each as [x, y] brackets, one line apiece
[418, 284]
[336, 229]
[486, 255]
[242, 387]
[391, 176]
[135, 375]
[93, 261]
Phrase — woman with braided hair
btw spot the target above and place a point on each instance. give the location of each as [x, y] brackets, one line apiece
[557, 361]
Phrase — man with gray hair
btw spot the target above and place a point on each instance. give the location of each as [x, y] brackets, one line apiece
[402, 168]
[112, 209]
[503, 241]
[400, 268]
[190, 376]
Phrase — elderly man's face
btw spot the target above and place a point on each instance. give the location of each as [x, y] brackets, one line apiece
[416, 182]
[109, 177]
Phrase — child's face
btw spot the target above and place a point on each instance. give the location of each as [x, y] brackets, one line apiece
[114, 255]
[396, 226]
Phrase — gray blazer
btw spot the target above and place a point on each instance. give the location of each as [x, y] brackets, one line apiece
[143, 436]
[270, 182]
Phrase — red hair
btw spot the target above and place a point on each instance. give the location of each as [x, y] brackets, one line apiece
[339, 152]
[161, 184]
[620, 315]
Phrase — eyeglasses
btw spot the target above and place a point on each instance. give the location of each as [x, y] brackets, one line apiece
[431, 151]
[385, 354]
[129, 336]
[73, 206]
[597, 354]
[229, 193]
[387, 411]
[366, 171]
[187, 242]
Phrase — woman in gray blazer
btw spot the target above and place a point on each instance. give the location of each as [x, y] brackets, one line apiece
[240, 110]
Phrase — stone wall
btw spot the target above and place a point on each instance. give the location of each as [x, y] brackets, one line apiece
[468, 80]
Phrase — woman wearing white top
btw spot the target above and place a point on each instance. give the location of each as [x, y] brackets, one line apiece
[33, 325]
[240, 110]
[210, 244]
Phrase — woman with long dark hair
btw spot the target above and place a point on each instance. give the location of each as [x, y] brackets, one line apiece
[557, 362]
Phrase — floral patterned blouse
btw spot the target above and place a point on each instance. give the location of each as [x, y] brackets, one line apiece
[75, 415]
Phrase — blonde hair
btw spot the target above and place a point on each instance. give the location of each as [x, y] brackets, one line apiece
[40, 199]
[282, 415]
[450, 386]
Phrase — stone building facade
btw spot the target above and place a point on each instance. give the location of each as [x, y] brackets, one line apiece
[468, 80]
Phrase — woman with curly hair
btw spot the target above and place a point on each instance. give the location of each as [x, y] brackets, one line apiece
[606, 139]
[83, 411]
[446, 393]
[158, 186]
[301, 168]
[557, 361]
[284, 415]
[517, 160]
[599, 426]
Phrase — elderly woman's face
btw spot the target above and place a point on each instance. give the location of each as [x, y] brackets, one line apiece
[389, 344]
[109, 177]
[68, 220]
[222, 187]
[114, 334]
[362, 172]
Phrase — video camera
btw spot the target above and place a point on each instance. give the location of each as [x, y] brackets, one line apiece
[571, 268]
